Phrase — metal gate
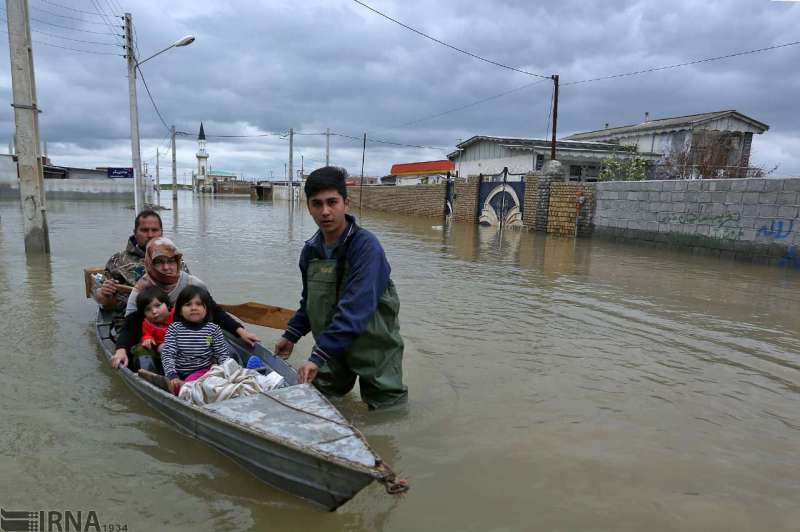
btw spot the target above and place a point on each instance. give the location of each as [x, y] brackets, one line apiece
[501, 199]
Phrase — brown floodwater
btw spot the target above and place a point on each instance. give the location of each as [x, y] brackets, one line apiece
[554, 384]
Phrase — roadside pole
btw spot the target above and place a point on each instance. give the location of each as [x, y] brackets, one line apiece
[361, 186]
[158, 180]
[138, 196]
[555, 116]
[174, 168]
[291, 160]
[26, 117]
[327, 146]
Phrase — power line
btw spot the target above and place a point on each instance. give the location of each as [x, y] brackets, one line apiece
[381, 141]
[54, 14]
[57, 36]
[71, 28]
[688, 63]
[69, 8]
[45, 43]
[434, 39]
[477, 102]
[150, 95]
[104, 17]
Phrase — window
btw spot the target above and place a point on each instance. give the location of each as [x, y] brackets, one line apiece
[575, 170]
[539, 161]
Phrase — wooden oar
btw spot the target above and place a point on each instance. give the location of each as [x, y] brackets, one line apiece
[253, 313]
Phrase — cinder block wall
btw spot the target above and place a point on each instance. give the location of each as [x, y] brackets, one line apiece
[466, 203]
[749, 219]
[418, 200]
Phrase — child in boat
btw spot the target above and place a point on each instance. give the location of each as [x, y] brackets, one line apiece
[193, 343]
[154, 306]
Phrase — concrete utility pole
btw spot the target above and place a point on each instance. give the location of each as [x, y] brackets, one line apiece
[26, 117]
[555, 117]
[174, 167]
[291, 161]
[327, 146]
[158, 179]
[361, 186]
[138, 192]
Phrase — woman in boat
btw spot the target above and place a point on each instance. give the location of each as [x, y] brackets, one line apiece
[162, 264]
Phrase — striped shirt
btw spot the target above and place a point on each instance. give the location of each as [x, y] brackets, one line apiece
[190, 347]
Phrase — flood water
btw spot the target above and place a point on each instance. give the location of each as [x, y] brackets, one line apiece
[554, 384]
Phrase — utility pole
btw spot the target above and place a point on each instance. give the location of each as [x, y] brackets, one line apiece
[138, 196]
[174, 167]
[291, 160]
[26, 118]
[302, 167]
[555, 116]
[327, 146]
[158, 179]
[361, 186]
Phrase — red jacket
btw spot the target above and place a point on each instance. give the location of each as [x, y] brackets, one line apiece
[151, 331]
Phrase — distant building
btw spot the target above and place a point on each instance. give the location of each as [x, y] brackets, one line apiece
[202, 160]
[713, 144]
[581, 160]
[355, 181]
[419, 173]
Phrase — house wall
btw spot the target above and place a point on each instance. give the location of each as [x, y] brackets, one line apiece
[77, 189]
[749, 219]
[417, 200]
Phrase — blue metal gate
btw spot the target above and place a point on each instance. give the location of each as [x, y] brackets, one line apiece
[501, 199]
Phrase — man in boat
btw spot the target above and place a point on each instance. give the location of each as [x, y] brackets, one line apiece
[127, 266]
[349, 302]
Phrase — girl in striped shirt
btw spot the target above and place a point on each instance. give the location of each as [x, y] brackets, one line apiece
[193, 342]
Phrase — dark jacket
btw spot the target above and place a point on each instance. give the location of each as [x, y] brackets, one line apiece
[367, 279]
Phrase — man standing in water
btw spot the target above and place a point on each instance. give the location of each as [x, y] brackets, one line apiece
[349, 302]
[127, 266]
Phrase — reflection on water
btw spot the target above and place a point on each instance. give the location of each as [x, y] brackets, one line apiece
[555, 383]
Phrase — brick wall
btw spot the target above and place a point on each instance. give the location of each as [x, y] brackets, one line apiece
[750, 219]
[466, 203]
[563, 212]
[531, 200]
[418, 200]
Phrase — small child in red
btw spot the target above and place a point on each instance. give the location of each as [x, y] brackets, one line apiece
[154, 306]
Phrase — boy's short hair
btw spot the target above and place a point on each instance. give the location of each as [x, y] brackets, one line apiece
[186, 295]
[326, 178]
[148, 294]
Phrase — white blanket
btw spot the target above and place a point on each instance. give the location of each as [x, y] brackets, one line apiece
[226, 381]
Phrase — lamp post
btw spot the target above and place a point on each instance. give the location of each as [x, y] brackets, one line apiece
[133, 64]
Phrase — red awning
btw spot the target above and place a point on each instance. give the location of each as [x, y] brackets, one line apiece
[424, 168]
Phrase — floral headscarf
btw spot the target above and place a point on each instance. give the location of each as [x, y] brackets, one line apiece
[160, 247]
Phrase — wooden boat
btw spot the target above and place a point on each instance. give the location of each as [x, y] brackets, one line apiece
[292, 438]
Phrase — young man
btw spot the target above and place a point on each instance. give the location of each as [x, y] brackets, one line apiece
[349, 302]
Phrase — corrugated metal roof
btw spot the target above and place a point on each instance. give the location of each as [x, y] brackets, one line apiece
[679, 122]
[423, 167]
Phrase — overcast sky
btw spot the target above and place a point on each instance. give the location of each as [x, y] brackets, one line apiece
[263, 67]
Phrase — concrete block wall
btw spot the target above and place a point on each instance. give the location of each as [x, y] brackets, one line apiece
[466, 203]
[77, 189]
[749, 219]
[418, 200]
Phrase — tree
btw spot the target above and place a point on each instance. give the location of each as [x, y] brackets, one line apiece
[633, 169]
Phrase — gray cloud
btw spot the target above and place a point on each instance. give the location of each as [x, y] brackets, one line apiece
[261, 67]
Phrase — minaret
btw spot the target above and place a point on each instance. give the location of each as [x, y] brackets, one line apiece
[202, 156]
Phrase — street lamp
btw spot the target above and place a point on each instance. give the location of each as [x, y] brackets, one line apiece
[133, 64]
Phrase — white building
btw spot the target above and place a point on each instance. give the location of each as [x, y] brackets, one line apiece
[581, 160]
[719, 141]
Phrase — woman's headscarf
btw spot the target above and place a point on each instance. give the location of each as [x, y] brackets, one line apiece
[160, 247]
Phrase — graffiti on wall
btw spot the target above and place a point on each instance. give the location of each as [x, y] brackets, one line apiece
[723, 226]
[776, 230]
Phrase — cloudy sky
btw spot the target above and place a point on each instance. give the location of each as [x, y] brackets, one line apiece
[259, 68]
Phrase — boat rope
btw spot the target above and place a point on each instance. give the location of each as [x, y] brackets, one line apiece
[391, 483]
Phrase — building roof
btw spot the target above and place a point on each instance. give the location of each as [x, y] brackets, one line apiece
[423, 168]
[544, 144]
[202, 135]
[674, 123]
[222, 173]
